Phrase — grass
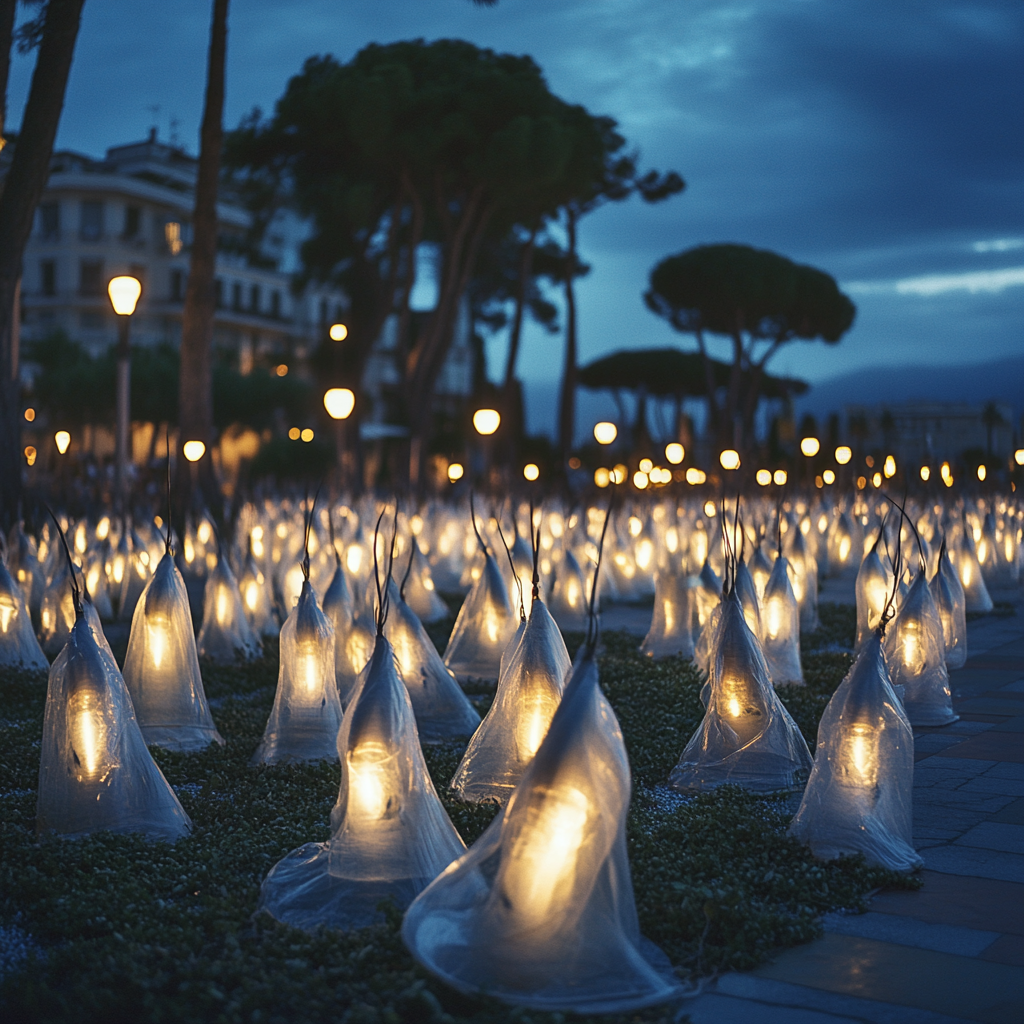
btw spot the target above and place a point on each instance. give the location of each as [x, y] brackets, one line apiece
[112, 929]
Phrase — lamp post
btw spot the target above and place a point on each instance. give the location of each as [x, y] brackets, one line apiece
[339, 403]
[485, 423]
[124, 292]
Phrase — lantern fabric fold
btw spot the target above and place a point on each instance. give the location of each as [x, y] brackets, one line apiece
[872, 588]
[390, 835]
[540, 911]
[353, 641]
[484, 626]
[673, 613]
[304, 722]
[533, 672]
[257, 598]
[419, 591]
[95, 772]
[443, 712]
[747, 737]
[976, 595]
[916, 658]
[858, 798]
[226, 635]
[56, 612]
[19, 647]
[952, 605]
[780, 625]
[161, 668]
[569, 594]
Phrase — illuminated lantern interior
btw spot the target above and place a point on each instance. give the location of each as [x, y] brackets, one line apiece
[226, 635]
[569, 594]
[948, 594]
[673, 612]
[18, 644]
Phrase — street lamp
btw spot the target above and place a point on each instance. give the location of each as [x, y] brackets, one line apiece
[605, 432]
[338, 332]
[730, 459]
[675, 453]
[486, 421]
[339, 403]
[193, 450]
[124, 292]
[531, 471]
[843, 454]
[62, 439]
[810, 446]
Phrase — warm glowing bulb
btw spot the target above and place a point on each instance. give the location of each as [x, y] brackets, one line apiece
[710, 510]
[640, 479]
[339, 403]
[675, 453]
[780, 476]
[63, 440]
[763, 477]
[157, 641]
[124, 293]
[926, 473]
[193, 450]
[223, 606]
[602, 477]
[774, 617]
[730, 459]
[861, 760]
[252, 593]
[810, 446]
[88, 732]
[843, 454]
[338, 332]
[531, 471]
[486, 421]
[456, 471]
[694, 476]
[1018, 456]
[982, 472]
[889, 467]
[8, 609]
[605, 432]
[828, 476]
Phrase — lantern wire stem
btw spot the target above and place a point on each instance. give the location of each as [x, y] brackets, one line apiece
[383, 596]
[535, 545]
[472, 519]
[515, 575]
[910, 522]
[167, 538]
[330, 530]
[305, 537]
[408, 568]
[889, 610]
[592, 630]
[76, 594]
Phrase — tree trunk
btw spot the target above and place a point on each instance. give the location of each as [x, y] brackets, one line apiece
[567, 404]
[525, 270]
[709, 383]
[7, 11]
[195, 397]
[26, 180]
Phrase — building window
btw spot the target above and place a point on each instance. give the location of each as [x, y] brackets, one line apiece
[275, 304]
[49, 221]
[90, 280]
[177, 285]
[173, 237]
[91, 227]
[254, 298]
[48, 277]
[132, 222]
[236, 297]
[218, 293]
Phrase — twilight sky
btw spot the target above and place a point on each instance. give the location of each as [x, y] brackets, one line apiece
[882, 142]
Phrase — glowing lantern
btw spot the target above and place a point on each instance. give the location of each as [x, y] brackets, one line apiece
[95, 772]
[161, 669]
[781, 627]
[338, 332]
[803, 570]
[134, 574]
[763, 477]
[193, 450]
[675, 453]
[747, 737]
[569, 594]
[780, 476]
[858, 798]
[256, 597]
[486, 421]
[531, 471]
[810, 446]
[829, 477]
[226, 635]
[948, 594]
[873, 585]
[63, 440]
[760, 570]
[640, 480]
[844, 454]
[749, 599]
[390, 835]
[455, 471]
[419, 591]
[57, 611]
[889, 467]
[602, 478]
[484, 626]
[18, 645]
[976, 593]
[605, 432]
[339, 403]
[673, 612]
[533, 672]
[730, 459]
[531, 910]
[306, 716]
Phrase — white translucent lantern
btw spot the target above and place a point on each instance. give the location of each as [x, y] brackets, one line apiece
[353, 641]
[418, 589]
[670, 634]
[951, 604]
[19, 647]
[95, 772]
[540, 912]
[569, 594]
[747, 736]
[390, 835]
[873, 586]
[161, 668]
[533, 672]
[976, 594]
[484, 626]
[56, 612]
[304, 721]
[803, 569]
[256, 597]
[136, 573]
[226, 635]
[841, 548]
[916, 658]
[858, 798]
[443, 711]
[780, 627]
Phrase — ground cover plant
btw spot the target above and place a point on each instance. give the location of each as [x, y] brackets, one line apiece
[113, 929]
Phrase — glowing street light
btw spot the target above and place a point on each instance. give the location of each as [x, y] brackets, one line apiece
[810, 446]
[646, 465]
[1018, 456]
[763, 477]
[339, 403]
[338, 332]
[675, 453]
[193, 450]
[63, 441]
[531, 471]
[829, 476]
[982, 472]
[640, 480]
[124, 292]
[602, 477]
[486, 421]
[889, 467]
[455, 471]
[926, 473]
[780, 476]
[605, 432]
[843, 454]
[730, 459]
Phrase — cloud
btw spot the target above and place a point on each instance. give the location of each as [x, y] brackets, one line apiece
[999, 245]
[975, 282]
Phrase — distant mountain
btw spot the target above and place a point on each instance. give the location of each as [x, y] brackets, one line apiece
[1001, 380]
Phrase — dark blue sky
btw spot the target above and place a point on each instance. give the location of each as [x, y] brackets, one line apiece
[881, 141]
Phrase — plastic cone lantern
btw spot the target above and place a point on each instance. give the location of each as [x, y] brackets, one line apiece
[842, 549]
[872, 590]
[484, 626]
[420, 593]
[670, 634]
[136, 573]
[780, 626]
[916, 658]
[19, 647]
[569, 595]
[533, 672]
[304, 722]
[858, 798]
[803, 573]
[952, 607]
[976, 594]
[56, 611]
[256, 598]
[353, 642]
[96, 580]
[25, 568]
[226, 635]
[95, 772]
[747, 590]
[443, 711]
[390, 835]
[540, 911]
[161, 668]
[747, 737]
[760, 570]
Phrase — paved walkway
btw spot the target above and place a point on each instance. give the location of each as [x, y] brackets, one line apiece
[953, 951]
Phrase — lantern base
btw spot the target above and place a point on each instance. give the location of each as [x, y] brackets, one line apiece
[186, 739]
